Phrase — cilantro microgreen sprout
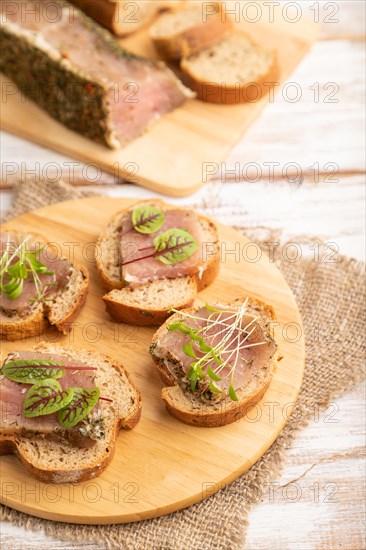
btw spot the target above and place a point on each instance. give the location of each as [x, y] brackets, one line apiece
[215, 362]
[19, 264]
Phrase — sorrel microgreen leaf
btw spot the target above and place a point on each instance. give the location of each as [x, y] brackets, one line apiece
[30, 371]
[82, 402]
[147, 219]
[174, 246]
[46, 397]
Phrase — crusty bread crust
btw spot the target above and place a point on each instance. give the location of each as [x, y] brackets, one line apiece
[37, 321]
[226, 94]
[138, 315]
[64, 325]
[33, 325]
[96, 467]
[107, 281]
[17, 444]
[110, 14]
[174, 46]
[213, 264]
[228, 411]
[142, 315]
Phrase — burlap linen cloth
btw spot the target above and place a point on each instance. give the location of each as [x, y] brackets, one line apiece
[325, 293]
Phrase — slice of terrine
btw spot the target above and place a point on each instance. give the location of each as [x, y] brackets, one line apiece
[81, 75]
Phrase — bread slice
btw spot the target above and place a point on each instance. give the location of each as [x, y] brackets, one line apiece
[234, 70]
[121, 17]
[149, 304]
[179, 33]
[58, 311]
[188, 406]
[55, 461]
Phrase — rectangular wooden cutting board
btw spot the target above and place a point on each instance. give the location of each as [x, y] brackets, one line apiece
[173, 157]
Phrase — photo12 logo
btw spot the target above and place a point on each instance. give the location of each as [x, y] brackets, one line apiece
[252, 172]
[73, 172]
[272, 12]
[91, 492]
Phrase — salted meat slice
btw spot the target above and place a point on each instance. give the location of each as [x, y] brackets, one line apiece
[136, 249]
[124, 94]
[237, 332]
[49, 284]
[12, 394]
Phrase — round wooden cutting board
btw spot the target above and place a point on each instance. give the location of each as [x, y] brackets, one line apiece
[162, 465]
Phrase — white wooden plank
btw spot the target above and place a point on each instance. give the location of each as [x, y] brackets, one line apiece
[337, 19]
[319, 211]
[18, 538]
[309, 131]
[318, 500]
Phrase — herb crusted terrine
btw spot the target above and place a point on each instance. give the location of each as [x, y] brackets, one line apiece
[79, 73]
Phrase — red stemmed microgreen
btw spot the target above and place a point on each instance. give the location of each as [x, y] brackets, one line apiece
[46, 397]
[29, 371]
[78, 408]
[146, 220]
[171, 247]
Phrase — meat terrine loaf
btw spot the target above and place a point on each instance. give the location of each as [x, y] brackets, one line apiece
[80, 75]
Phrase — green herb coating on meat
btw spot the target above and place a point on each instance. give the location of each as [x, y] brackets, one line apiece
[65, 92]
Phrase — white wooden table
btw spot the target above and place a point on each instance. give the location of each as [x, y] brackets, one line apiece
[318, 502]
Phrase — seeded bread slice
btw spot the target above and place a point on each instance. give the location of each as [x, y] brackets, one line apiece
[179, 33]
[188, 406]
[65, 305]
[149, 304]
[53, 461]
[16, 327]
[234, 70]
[120, 17]
[58, 311]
